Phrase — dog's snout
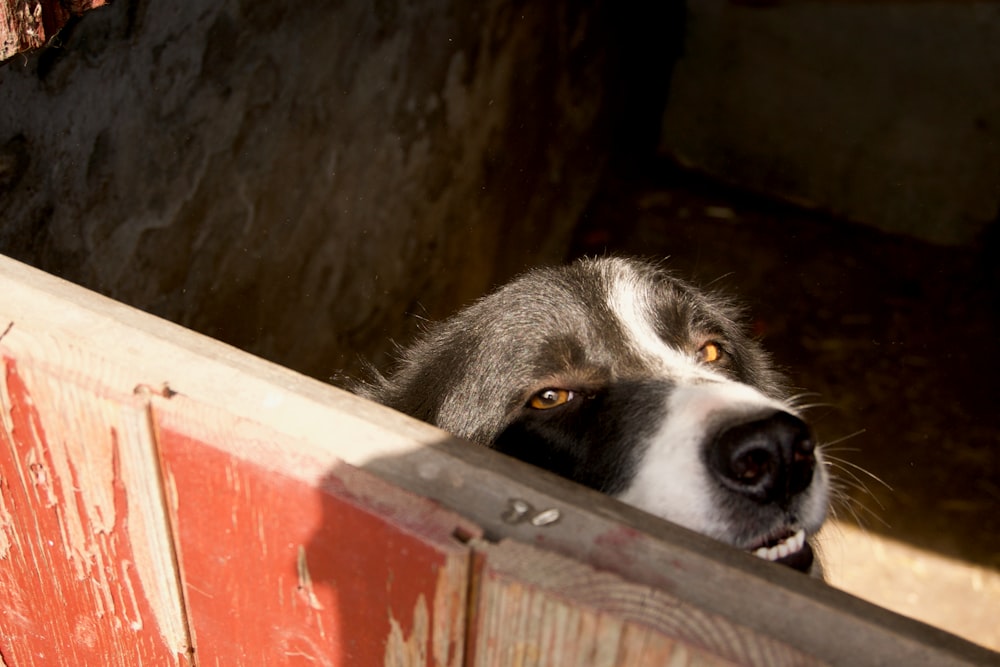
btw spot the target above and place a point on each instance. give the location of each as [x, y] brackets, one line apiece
[770, 460]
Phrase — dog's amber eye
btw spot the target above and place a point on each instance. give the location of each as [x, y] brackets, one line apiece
[710, 353]
[550, 398]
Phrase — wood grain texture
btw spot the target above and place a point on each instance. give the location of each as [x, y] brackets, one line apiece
[593, 529]
[538, 608]
[288, 561]
[86, 571]
[154, 352]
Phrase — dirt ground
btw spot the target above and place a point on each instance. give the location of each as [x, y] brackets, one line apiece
[896, 342]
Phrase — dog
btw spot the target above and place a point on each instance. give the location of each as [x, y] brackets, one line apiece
[619, 376]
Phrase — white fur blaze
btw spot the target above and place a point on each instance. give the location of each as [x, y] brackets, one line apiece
[671, 479]
[630, 300]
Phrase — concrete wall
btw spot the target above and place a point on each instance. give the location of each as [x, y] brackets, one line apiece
[303, 179]
[884, 112]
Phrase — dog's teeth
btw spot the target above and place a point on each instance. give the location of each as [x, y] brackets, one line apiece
[786, 547]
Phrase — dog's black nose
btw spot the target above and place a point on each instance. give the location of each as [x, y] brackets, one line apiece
[770, 459]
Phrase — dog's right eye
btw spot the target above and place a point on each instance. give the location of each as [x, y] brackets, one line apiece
[547, 399]
[710, 353]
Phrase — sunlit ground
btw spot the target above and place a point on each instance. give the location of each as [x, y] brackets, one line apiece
[959, 597]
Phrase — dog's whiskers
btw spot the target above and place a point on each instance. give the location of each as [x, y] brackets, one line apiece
[827, 445]
[827, 449]
[844, 464]
[797, 403]
[811, 406]
[794, 399]
[853, 481]
[850, 476]
[839, 497]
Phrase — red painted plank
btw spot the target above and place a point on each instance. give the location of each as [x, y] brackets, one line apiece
[290, 558]
[76, 579]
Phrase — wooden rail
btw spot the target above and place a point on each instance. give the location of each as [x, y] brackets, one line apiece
[166, 499]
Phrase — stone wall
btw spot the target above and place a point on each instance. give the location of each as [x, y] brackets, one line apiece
[303, 180]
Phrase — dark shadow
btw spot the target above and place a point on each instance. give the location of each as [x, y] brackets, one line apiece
[377, 570]
[376, 560]
[644, 43]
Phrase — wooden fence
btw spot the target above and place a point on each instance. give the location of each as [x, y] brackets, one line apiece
[166, 499]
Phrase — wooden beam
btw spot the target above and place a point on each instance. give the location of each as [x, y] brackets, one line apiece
[536, 607]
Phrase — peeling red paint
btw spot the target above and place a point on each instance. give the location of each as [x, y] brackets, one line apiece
[69, 580]
[354, 572]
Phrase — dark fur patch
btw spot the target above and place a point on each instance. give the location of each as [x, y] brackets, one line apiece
[469, 374]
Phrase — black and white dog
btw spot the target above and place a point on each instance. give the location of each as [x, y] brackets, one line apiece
[615, 374]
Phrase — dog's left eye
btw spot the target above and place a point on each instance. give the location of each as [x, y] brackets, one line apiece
[550, 398]
[710, 353]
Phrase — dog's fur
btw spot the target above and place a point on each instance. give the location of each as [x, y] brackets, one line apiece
[615, 374]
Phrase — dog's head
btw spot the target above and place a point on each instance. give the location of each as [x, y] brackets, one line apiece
[613, 373]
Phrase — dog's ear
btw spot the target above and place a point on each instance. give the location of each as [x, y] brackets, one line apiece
[410, 384]
[370, 382]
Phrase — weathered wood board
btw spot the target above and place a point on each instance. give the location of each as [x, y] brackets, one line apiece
[86, 569]
[294, 559]
[539, 608]
[595, 530]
